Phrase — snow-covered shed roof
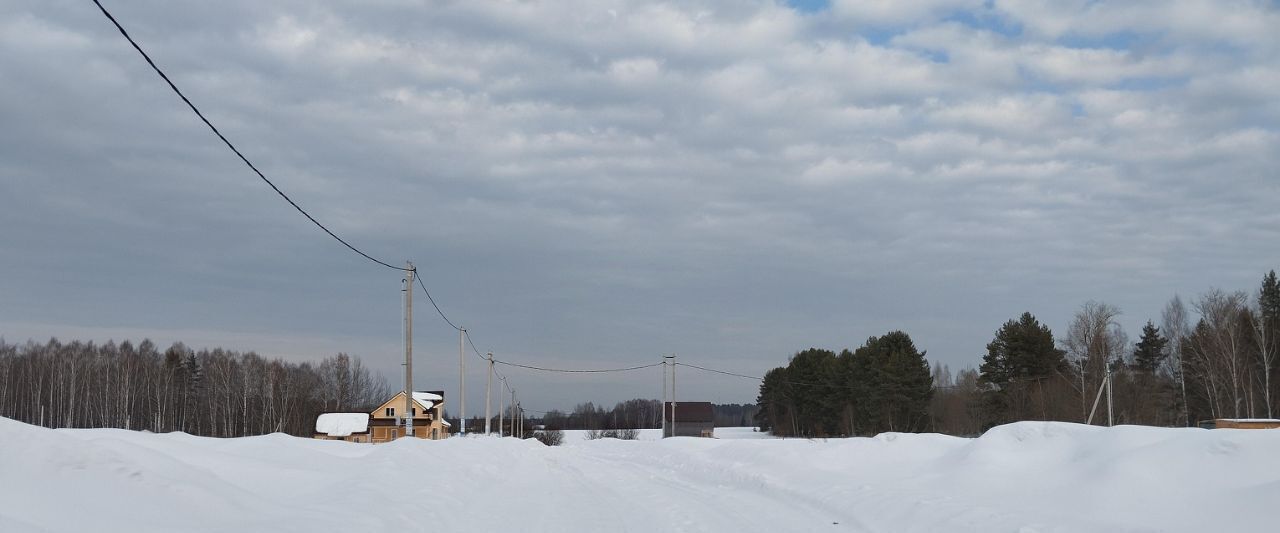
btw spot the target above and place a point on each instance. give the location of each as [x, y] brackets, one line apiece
[342, 424]
[427, 399]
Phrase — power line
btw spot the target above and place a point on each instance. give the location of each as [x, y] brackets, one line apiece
[786, 381]
[433, 304]
[577, 371]
[231, 146]
[474, 349]
[725, 372]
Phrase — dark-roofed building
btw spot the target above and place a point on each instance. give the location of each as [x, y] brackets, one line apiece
[693, 419]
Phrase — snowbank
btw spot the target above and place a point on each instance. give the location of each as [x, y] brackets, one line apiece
[1020, 477]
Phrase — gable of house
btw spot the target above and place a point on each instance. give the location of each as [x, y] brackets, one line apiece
[425, 405]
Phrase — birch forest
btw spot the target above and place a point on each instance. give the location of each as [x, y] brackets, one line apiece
[210, 392]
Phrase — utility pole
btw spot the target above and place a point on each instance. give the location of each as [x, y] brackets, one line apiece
[663, 408]
[513, 412]
[408, 351]
[462, 385]
[673, 395]
[1110, 419]
[501, 409]
[488, 395]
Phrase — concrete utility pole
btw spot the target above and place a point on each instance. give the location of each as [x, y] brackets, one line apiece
[462, 384]
[488, 395]
[1110, 418]
[673, 395]
[663, 408]
[501, 408]
[408, 351]
[513, 412]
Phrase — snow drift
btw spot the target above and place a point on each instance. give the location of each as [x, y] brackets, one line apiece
[1019, 477]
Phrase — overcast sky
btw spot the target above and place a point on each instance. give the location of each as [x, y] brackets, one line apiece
[599, 183]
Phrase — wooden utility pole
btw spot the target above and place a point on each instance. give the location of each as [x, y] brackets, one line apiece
[408, 351]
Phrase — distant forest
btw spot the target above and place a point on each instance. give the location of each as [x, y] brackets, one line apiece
[1222, 365]
[216, 393]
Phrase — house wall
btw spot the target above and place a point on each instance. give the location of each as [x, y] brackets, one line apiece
[1243, 424]
[691, 429]
[422, 429]
[358, 437]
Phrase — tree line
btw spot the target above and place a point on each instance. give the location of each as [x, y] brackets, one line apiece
[1213, 358]
[884, 385]
[636, 414]
[209, 392]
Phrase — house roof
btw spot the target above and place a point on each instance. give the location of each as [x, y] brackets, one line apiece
[427, 399]
[342, 424]
[690, 412]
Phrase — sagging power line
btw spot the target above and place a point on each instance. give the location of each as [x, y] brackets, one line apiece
[410, 269]
[233, 148]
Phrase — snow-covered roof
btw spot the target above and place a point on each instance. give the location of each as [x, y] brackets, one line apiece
[342, 424]
[427, 399]
[446, 423]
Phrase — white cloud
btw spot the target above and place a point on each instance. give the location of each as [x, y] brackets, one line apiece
[624, 169]
[875, 12]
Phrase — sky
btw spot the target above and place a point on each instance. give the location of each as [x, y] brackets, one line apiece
[601, 183]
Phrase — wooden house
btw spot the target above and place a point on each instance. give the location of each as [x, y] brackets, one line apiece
[385, 423]
[1240, 423]
[692, 419]
[427, 412]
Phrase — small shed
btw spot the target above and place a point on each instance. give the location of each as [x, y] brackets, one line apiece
[351, 427]
[692, 419]
[1240, 423]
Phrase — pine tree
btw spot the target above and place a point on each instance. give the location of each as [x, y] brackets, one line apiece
[1269, 299]
[1022, 352]
[1150, 351]
[1021, 349]
[893, 384]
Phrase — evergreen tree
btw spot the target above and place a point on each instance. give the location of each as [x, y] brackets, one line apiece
[893, 385]
[1269, 299]
[774, 403]
[1150, 351]
[1022, 352]
[811, 374]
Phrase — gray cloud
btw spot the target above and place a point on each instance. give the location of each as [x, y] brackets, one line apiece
[601, 182]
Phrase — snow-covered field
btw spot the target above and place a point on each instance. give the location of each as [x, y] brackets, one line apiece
[1020, 477]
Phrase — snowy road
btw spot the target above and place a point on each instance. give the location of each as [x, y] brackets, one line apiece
[1021, 477]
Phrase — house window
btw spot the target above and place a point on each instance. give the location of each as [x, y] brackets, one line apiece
[435, 435]
[413, 411]
[391, 411]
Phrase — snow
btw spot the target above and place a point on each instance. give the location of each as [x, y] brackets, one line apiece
[427, 399]
[342, 424]
[1029, 476]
